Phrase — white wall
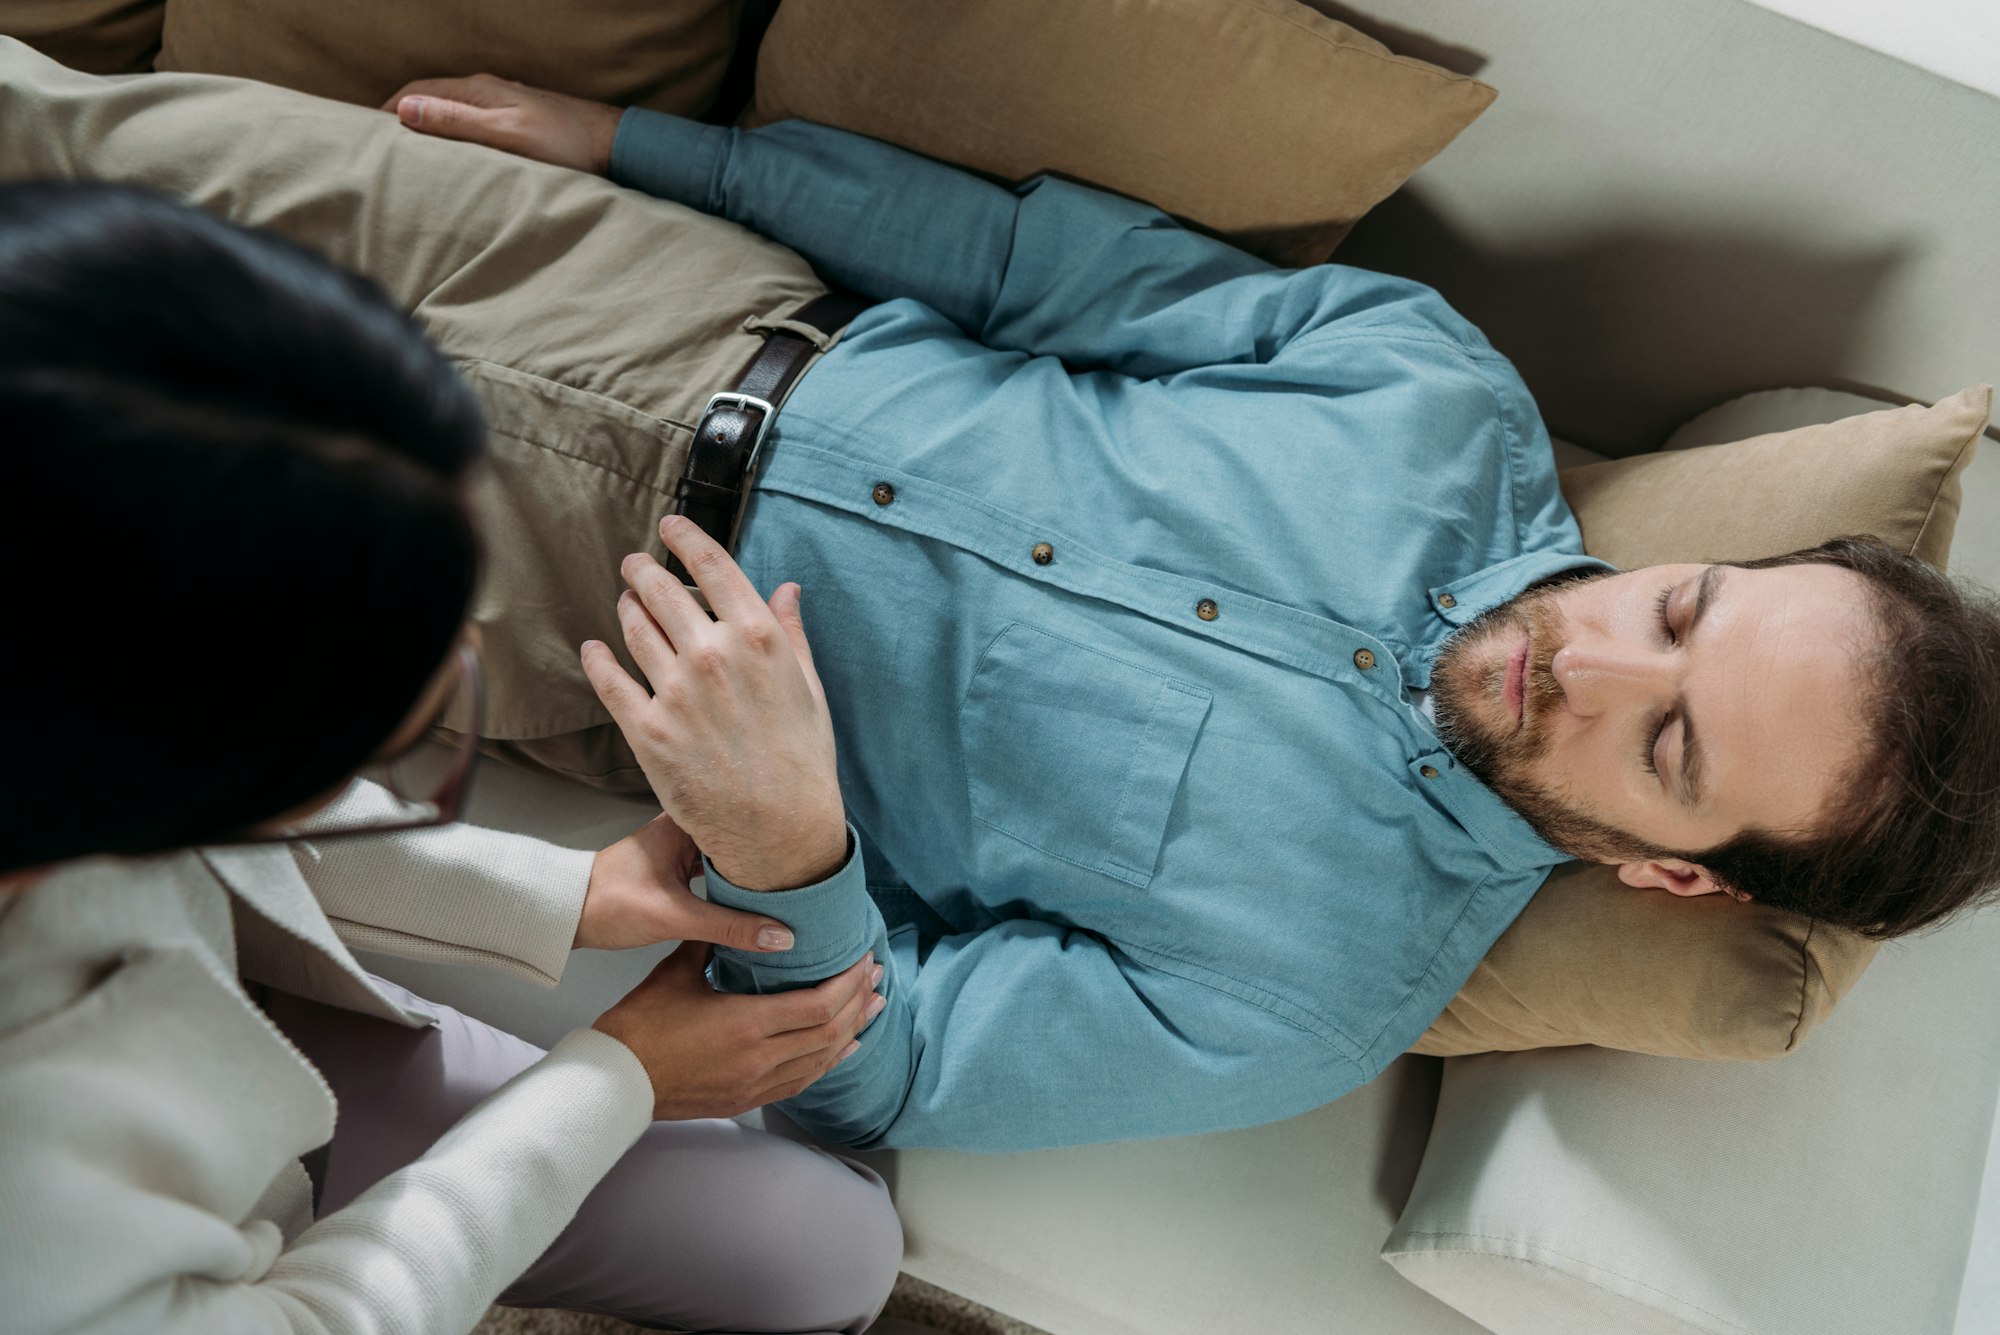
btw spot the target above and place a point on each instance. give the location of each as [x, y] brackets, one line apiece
[1959, 39]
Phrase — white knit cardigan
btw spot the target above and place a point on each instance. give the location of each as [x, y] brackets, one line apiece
[152, 1119]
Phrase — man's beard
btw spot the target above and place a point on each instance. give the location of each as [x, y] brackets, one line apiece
[1468, 673]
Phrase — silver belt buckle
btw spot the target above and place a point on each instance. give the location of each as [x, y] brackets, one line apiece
[768, 413]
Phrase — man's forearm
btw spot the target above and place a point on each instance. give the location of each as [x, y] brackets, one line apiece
[834, 922]
[1048, 267]
[869, 216]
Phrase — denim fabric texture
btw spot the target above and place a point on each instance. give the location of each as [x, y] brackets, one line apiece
[1121, 552]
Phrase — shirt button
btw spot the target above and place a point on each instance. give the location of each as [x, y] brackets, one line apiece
[1429, 771]
[1446, 601]
[1043, 553]
[884, 493]
[1363, 659]
[1206, 609]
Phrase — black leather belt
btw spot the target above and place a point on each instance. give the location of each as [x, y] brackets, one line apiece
[723, 459]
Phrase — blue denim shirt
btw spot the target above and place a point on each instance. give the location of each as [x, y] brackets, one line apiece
[1121, 551]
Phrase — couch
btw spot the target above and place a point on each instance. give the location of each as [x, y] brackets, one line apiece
[1564, 1190]
[1670, 206]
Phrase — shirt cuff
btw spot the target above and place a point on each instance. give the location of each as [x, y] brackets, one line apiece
[832, 921]
[669, 156]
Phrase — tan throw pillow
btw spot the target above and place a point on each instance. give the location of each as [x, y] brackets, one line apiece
[668, 55]
[1261, 120]
[1591, 960]
[95, 36]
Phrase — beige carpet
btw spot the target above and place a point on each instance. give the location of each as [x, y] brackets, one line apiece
[913, 1300]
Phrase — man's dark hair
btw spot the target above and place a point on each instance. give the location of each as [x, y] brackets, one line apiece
[233, 542]
[1916, 837]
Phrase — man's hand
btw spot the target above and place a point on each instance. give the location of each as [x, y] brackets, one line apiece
[715, 1054]
[502, 114]
[639, 895]
[734, 735]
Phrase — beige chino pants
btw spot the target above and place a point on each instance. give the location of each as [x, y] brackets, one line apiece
[593, 322]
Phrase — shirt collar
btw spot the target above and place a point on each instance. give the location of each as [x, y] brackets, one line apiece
[1463, 600]
[1496, 827]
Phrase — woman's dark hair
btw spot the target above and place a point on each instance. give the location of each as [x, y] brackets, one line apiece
[232, 536]
[1916, 837]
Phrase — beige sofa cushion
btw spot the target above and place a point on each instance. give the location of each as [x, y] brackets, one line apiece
[668, 55]
[1593, 961]
[1258, 119]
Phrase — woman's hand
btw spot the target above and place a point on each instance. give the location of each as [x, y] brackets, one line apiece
[502, 114]
[639, 895]
[734, 735]
[716, 1054]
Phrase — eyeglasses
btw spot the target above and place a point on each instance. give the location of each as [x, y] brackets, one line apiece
[400, 811]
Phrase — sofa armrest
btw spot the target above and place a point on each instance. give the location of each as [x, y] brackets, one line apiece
[1834, 1190]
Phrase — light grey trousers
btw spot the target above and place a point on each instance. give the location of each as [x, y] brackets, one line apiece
[702, 1226]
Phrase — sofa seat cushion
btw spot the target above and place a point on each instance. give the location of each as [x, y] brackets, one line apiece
[1582, 1191]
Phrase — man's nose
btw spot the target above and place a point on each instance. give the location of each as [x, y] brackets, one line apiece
[1597, 675]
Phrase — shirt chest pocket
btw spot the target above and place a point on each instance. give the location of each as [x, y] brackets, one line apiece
[1075, 753]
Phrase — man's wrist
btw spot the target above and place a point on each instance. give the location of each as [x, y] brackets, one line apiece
[807, 863]
[832, 922]
[603, 135]
[666, 155]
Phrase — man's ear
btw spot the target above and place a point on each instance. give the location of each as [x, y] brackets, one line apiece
[1671, 875]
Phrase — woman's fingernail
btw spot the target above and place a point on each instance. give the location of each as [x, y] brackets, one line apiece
[411, 109]
[847, 1052]
[774, 938]
[876, 1004]
[876, 977]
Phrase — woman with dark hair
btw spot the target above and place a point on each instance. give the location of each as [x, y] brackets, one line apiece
[238, 560]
